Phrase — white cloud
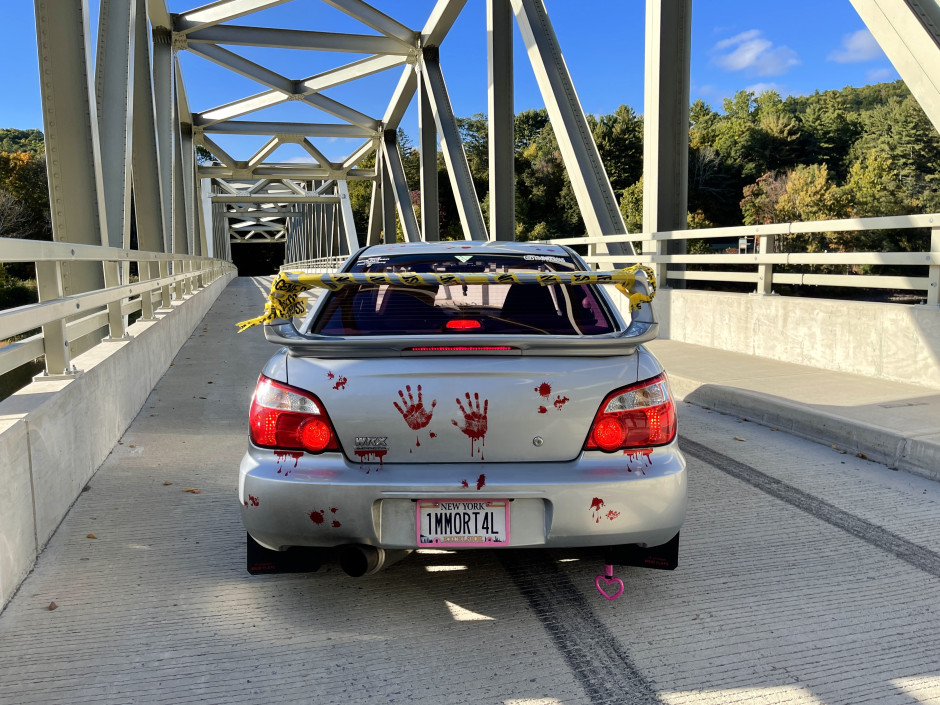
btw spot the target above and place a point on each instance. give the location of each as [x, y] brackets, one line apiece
[750, 51]
[759, 88]
[856, 47]
[880, 75]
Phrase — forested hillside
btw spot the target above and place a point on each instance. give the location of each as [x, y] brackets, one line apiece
[24, 195]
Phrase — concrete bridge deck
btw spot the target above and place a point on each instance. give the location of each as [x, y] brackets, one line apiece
[806, 575]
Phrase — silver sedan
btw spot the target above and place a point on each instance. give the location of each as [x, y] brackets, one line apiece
[463, 395]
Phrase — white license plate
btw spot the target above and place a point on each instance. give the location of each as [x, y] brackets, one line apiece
[460, 522]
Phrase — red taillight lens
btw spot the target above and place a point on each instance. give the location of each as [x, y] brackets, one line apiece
[289, 418]
[639, 416]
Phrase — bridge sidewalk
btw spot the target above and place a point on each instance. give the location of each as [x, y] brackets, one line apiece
[887, 422]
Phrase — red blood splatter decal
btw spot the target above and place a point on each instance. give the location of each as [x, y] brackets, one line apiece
[413, 410]
[560, 401]
[633, 454]
[645, 452]
[281, 454]
[612, 514]
[543, 410]
[317, 517]
[432, 435]
[340, 383]
[253, 501]
[474, 426]
[336, 524]
[330, 375]
[370, 456]
[544, 390]
[464, 483]
[596, 505]
[333, 510]
[481, 481]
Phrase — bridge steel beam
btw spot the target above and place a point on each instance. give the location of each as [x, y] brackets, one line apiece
[430, 193]
[909, 33]
[349, 223]
[165, 111]
[468, 205]
[391, 157]
[666, 123]
[114, 91]
[599, 207]
[501, 120]
[376, 215]
[70, 123]
[389, 234]
[148, 195]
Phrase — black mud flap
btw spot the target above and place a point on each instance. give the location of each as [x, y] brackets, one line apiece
[298, 559]
[665, 557]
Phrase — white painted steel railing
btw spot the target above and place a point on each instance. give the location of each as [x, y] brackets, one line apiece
[323, 264]
[765, 259]
[763, 276]
[163, 278]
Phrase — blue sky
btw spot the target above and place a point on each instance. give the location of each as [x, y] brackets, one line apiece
[813, 45]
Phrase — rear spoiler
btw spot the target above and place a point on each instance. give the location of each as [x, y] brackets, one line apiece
[637, 283]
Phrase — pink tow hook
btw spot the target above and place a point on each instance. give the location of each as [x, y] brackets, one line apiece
[608, 577]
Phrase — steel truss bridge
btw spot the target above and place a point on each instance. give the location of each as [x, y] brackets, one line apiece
[129, 127]
[143, 226]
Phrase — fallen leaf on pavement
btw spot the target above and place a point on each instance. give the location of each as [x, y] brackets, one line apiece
[91, 536]
[167, 483]
[53, 606]
[192, 490]
[738, 438]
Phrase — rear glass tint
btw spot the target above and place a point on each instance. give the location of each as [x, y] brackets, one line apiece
[531, 309]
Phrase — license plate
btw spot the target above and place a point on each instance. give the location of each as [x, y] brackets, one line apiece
[459, 522]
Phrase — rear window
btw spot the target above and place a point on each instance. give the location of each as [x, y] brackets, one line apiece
[471, 308]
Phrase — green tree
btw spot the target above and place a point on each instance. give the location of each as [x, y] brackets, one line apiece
[759, 205]
[30, 141]
[631, 206]
[23, 178]
[619, 139]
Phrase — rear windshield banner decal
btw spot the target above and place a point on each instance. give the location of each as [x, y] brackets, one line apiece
[284, 301]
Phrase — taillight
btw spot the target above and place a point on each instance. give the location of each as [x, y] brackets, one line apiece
[289, 418]
[639, 416]
[463, 324]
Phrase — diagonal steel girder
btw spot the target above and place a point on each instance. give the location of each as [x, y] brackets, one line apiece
[592, 189]
[909, 33]
[468, 205]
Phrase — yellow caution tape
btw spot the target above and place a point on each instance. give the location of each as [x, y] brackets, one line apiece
[284, 301]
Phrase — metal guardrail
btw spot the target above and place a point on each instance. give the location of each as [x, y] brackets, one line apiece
[163, 278]
[763, 276]
[323, 264]
[765, 259]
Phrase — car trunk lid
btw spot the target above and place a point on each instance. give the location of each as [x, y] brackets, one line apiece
[460, 408]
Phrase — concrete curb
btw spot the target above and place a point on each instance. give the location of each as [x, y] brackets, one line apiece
[917, 455]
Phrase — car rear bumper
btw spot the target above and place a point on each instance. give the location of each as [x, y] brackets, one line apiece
[598, 499]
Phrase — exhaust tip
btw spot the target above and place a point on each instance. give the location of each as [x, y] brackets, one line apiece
[359, 560]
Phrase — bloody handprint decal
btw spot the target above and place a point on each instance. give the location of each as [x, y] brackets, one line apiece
[414, 412]
[474, 421]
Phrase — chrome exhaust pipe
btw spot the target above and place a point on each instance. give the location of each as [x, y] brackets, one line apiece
[358, 560]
